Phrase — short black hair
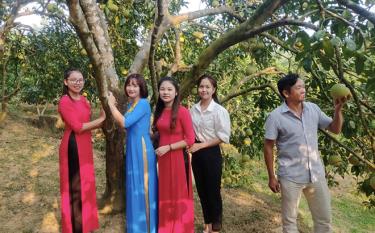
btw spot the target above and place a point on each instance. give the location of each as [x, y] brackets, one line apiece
[286, 82]
[143, 92]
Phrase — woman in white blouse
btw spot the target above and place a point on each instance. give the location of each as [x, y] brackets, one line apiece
[211, 124]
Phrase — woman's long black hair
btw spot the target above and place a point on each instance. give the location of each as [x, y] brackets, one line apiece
[67, 73]
[160, 104]
[213, 83]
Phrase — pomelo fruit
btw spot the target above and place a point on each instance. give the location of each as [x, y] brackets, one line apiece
[339, 90]
[335, 160]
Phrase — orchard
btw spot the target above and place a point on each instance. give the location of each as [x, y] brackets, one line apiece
[245, 45]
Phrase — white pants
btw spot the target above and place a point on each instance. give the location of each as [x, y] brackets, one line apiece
[319, 201]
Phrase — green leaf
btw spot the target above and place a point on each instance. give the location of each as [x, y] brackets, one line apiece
[370, 25]
[319, 34]
[328, 48]
[346, 14]
[358, 39]
[352, 124]
[325, 62]
[359, 63]
[370, 86]
[350, 44]
[339, 28]
[307, 64]
[304, 38]
[336, 41]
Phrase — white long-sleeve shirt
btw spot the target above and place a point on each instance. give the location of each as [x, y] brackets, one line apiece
[214, 122]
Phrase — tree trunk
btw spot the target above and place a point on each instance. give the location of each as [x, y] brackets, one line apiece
[90, 25]
[113, 199]
[4, 77]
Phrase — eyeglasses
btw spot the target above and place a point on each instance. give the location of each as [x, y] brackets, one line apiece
[76, 81]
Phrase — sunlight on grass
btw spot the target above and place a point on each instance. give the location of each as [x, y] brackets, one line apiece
[33, 173]
[49, 223]
[348, 214]
[29, 198]
[45, 151]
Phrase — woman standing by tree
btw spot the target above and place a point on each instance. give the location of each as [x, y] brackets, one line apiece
[141, 175]
[212, 126]
[77, 177]
[173, 122]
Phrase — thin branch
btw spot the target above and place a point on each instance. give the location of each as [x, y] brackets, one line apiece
[347, 148]
[189, 16]
[359, 10]
[317, 77]
[372, 109]
[177, 53]
[209, 27]
[168, 22]
[154, 38]
[245, 91]
[279, 42]
[231, 38]
[323, 9]
[340, 73]
[267, 71]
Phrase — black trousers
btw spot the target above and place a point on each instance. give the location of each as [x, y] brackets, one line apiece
[74, 185]
[207, 168]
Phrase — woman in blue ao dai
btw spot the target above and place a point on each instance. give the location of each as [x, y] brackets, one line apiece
[140, 171]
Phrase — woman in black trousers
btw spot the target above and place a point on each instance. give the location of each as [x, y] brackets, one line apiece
[212, 126]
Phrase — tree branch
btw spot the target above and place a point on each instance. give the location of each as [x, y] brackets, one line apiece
[242, 32]
[242, 92]
[267, 71]
[340, 73]
[323, 9]
[177, 54]
[169, 21]
[347, 148]
[161, 13]
[189, 16]
[279, 42]
[359, 10]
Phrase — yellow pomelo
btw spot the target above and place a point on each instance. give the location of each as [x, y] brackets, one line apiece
[335, 160]
[247, 141]
[198, 35]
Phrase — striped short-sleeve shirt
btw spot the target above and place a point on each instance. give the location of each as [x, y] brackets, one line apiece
[297, 142]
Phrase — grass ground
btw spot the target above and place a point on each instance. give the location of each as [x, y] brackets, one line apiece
[29, 194]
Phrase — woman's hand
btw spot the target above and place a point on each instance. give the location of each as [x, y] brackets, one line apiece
[102, 114]
[195, 147]
[160, 151]
[111, 100]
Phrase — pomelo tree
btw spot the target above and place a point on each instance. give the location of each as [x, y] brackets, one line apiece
[246, 46]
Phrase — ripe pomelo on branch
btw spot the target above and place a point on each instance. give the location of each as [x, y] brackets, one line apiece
[198, 35]
[335, 160]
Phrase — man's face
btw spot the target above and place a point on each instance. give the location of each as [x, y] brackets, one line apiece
[297, 92]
